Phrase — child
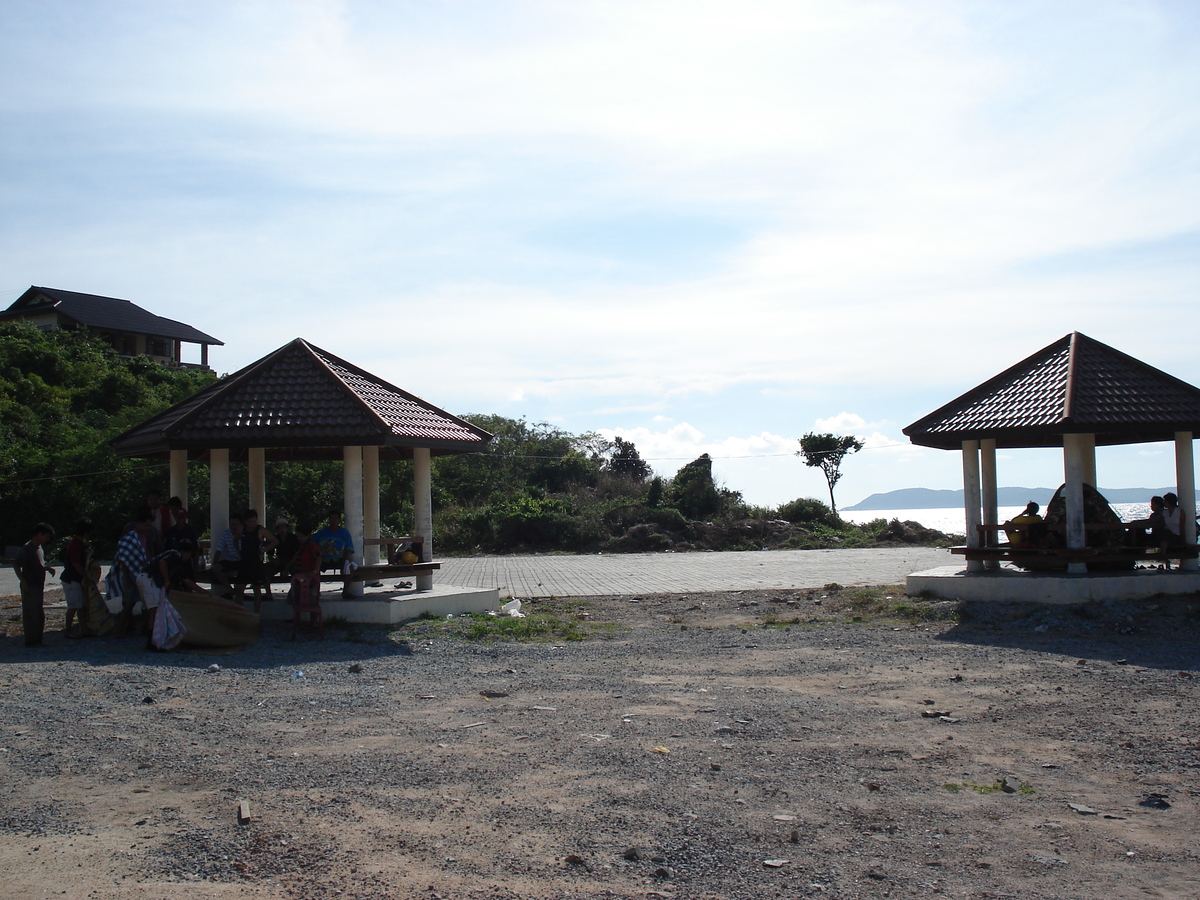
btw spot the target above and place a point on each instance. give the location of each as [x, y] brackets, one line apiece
[76, 564]
[308, 567]
[30, 566]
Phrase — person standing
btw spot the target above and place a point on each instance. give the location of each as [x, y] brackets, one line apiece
[130, 562]
[226, 568]
[30, 566]
[74, 576]
[254, 541]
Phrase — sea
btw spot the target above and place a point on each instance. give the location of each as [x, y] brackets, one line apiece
[953, 521]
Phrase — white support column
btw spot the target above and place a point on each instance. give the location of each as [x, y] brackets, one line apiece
[256, 464]
[423, 511]
[1074, 451]
[218, 494]
[371, 503]
[352, 482]
[179, 484]
[987, 484]
[1185, 486]
[971, 499]
[1088, 448]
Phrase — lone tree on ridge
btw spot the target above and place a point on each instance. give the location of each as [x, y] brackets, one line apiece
[828, 451]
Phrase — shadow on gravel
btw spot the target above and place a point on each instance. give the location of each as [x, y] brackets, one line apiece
[275, 649]
[1163, 633]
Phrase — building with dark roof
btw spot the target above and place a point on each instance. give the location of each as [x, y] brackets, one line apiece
[131, 330]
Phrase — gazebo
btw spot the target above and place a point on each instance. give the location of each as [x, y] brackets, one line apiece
[303, 403]
[1076, 393]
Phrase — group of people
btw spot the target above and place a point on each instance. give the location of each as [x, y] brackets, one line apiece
[248, 555]
[158, 552]
[1163, 528]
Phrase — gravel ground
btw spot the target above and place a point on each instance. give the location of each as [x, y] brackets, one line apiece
[732, 745]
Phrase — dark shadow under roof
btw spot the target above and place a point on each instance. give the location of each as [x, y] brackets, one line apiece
[301, 402]
[104, 314]
[1074, 386]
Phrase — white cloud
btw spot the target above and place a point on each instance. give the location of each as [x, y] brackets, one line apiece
[912, 197]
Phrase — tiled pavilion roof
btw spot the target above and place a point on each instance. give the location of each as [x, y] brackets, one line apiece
[301, 402]
[1074, 386]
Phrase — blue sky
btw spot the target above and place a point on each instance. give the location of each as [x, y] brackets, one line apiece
[706, 227]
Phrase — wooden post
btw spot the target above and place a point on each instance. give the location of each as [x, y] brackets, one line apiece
[1074, 446]
[256, 464]
[179, 482]
[352, 482]
[971, 499]
[423, 511]
[218, 493]
[987, 483]
[371, 502]
[1185, 487]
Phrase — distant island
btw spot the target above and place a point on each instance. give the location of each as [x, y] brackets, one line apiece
[927, 498]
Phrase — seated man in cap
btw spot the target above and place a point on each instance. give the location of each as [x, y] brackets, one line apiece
[281, 559]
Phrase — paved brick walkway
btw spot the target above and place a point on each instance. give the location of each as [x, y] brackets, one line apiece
[666, 573]
[652, 573]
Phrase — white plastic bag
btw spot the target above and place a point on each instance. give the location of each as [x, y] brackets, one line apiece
[168, 627]
[113, 599]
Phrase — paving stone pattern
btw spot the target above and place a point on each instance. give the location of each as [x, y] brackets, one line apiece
[671, 573]
[665, 573]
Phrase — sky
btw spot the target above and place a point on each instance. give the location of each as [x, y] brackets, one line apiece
[702, 226]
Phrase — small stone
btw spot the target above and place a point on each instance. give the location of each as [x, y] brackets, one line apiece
[356, 667]
[775, 863]
[1155, 801]
[148, 700]
[1081, 809]
[633, 854]
[664, 872]
[214, 668]
[873, 786]
[575, 860]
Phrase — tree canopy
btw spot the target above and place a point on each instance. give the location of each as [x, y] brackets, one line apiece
[63, 394]
[826, 451]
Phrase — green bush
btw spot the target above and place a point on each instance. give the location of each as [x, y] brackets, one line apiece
[807, 511]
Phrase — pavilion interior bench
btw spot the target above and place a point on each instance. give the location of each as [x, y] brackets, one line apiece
[362, 573]
[1048, 557]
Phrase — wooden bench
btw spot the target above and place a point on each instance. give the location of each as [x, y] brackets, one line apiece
[362, 573]
[1048, 557]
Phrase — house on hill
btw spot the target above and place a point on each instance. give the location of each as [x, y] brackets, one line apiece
[131, 330]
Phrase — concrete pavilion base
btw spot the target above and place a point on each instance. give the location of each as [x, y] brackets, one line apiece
[1010, 584]
[387, 606]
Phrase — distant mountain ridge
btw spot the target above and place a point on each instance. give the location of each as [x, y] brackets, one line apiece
[927, 498]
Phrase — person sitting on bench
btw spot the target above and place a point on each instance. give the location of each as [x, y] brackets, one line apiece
[337, 548]
[1031, 530]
